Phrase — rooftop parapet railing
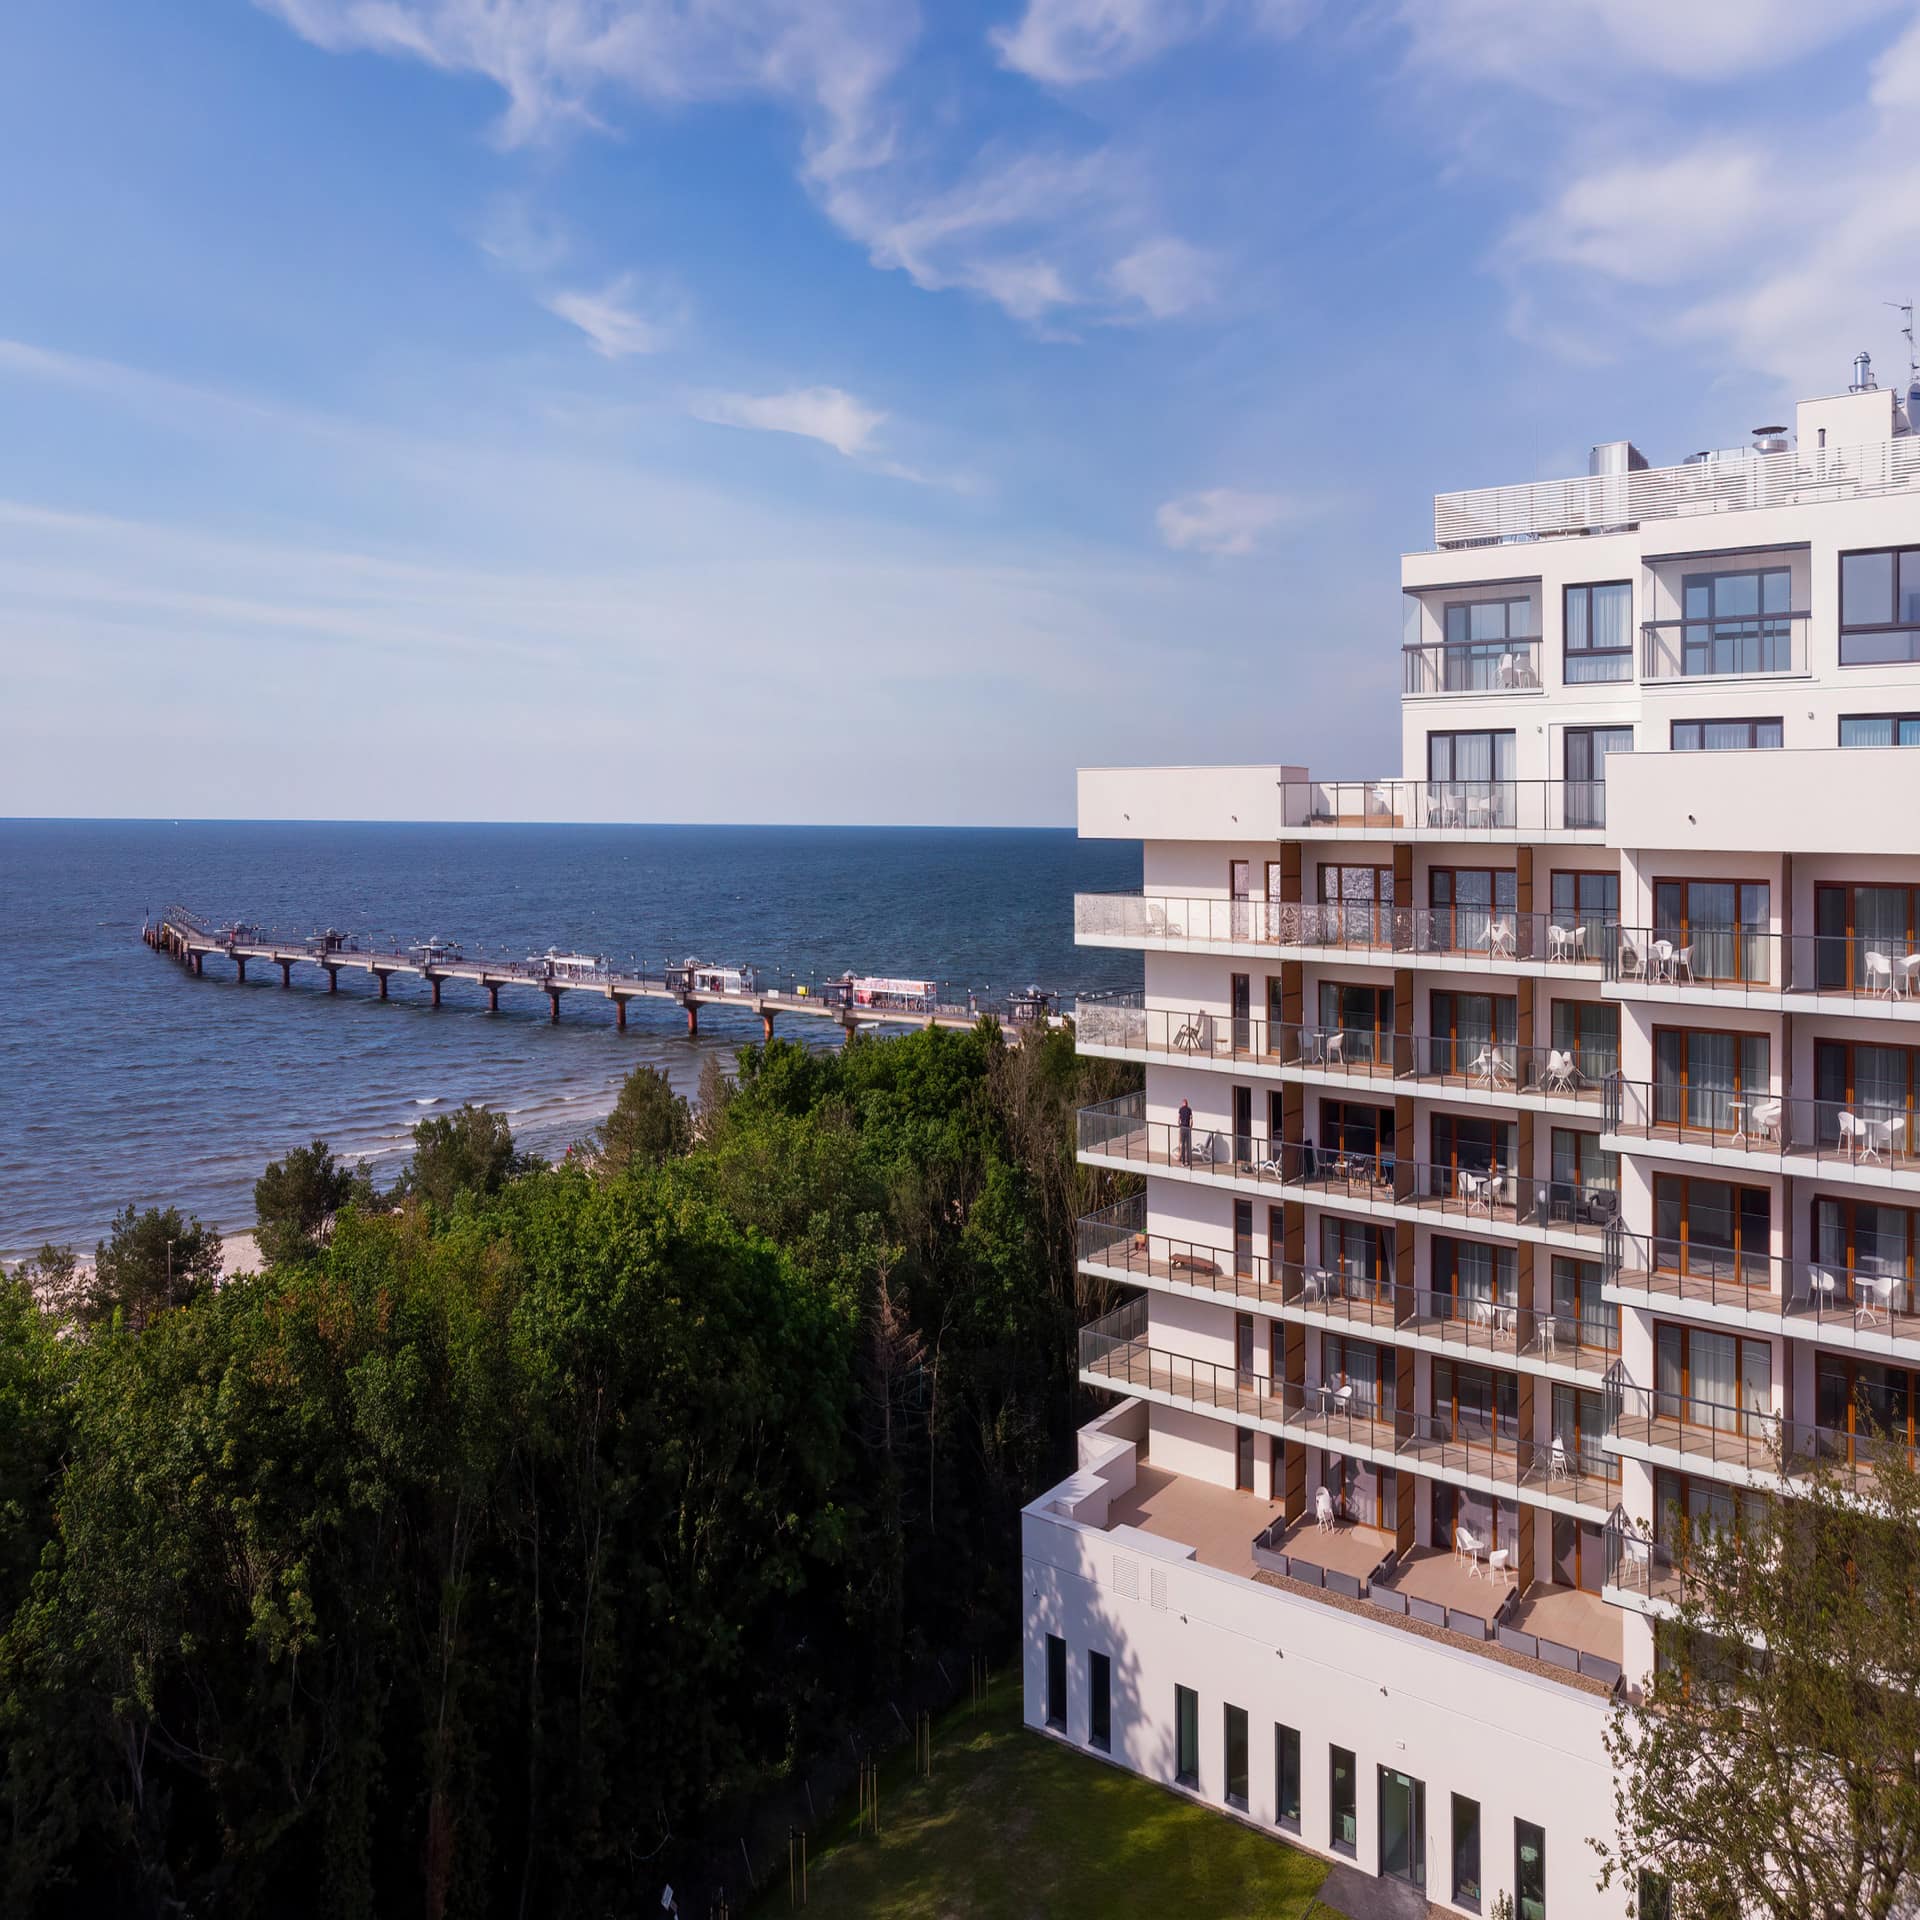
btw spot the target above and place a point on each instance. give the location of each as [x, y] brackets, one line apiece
[1722, 649]
[1471, 809]
[1720, 483]
[1471, 666]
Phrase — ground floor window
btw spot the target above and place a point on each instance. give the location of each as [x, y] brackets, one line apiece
[1286, 1774]
[1186, 1723]
[1529, 1871]
[1466, 1852]
[1343, 1821]
[1235, 1729]
[1100, 1701]
[1056, 1681]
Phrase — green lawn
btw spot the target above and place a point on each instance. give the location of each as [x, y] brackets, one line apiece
[1013, 1825]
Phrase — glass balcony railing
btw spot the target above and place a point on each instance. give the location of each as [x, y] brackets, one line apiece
[1471, 666]
[1500, 809]
[1863, 1135]
[1728, 648]
[1761, 962]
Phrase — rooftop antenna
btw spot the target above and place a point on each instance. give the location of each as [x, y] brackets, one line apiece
[1905, 309]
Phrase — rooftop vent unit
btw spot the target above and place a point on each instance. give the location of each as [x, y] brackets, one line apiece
[1616, 456]
[1863, 380]
[1769, 439]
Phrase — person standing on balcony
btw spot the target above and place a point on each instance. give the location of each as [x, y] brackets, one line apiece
[1186, 1133]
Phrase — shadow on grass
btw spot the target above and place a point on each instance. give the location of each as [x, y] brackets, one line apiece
[1013, 1824]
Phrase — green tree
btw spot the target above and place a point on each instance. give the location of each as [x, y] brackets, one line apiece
[467, 1151]
[53, 1278]
[148, 1263]
[295, 1201]
[650, 1124]
[1769, 1768]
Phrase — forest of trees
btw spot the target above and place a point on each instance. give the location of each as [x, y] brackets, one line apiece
[509, 1526]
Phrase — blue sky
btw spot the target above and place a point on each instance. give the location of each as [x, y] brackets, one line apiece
[836, 410]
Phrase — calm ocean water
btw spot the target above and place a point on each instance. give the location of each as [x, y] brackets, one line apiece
[122, 1078]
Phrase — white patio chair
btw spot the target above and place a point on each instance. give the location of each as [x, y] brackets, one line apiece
[1559, 1467]
[1823, 1289]
[1765, 1115]
[1500, 1567]
[1682, 962]
[1332, 1048]
[1633, 962]
[1559, 942]
[1560, 1074]
[1507, 678]
[1853, 1133]
[1500, 939]
[1888, 1131]
[1880, 967]
[1873, 1293]
[1471, 1548]
[1323, 1510]
[1488, 1069]
[1906, 965]
[1465, 1546]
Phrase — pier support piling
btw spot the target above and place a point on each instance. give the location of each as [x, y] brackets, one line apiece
[333, 979]
[493, 996]
[620, 1012]
[382, 978]
[436, 988]
[693, 1017]
[766, 1026]
[286, 973]
[553, 1006]
[240, 969]
[199, 964]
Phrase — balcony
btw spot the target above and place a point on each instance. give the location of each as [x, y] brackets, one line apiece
[1576, 1075]
[1734, 1442]
[1862, 1142]
[1115, 1353]
[1471, 810]
[1115, 1242]
[1471, 666]
[1722, 483]
[1497, 936]
[1867, 1310]
[1747, 647]
[1755, 966]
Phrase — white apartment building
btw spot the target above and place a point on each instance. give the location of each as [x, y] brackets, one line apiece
[1549, 1164]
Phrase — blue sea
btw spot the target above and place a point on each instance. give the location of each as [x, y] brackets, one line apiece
[123, 1078]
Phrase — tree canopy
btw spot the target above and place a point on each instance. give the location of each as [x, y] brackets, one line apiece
[468, 1559]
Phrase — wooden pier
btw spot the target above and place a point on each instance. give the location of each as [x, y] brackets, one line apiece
[849, 1002]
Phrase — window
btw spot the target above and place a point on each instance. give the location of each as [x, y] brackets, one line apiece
[1099, 1701]
[1470, 757]
[1364, 899]
[1363, 1015]
[1579, 1421]
[1586, 752]
[1712, 1230]
[1733, 623]
[1879, 606]
[1478, 1144]
[1579, 1162]
[1876, 1083]
[1366, 1368]
[1598, 642]
[1529, 1871]
[1867, 1239]
[1588, 1030]
[1186, 1724]
[1469, 1273]
[1056, 1681]
[1705, 1080]
[1880, 729]
[1352, 1132]
[1851, 922]
[1721, 926]
[1465, 1025]
[1235, 1730]
[1286, 1775]
[1724, 736]
[1463, 904]
[1702, 1504]
[1863, 1399]
[1475, 1404]
[1704, 1378]
[1581, 1317]
[1489, 643]
[1243, 1451]
[1343, 1821]
[1466, 1853]
[1589, 900]
[1355, 1253]
[1470, 620]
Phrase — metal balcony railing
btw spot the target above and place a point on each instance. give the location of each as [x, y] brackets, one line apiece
[1757, 1124]
[1758, 961]
[1746, 645]
[1499, 1066]
[1471, 666]
[1717, 483]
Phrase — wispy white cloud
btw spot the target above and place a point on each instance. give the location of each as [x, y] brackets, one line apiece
[521, 237]
[1067, 43]
[1223, 520]
[1043, 232]
[1166, 276]
[611, 319]
[827, 414]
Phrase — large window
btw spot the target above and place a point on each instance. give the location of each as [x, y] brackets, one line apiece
[1724, 736]
[1489, 643]
[1472, 1275]
[1487, 621]
[1466, 1853]
[1356, 1141]
[1529, 1871]
[1705, 1378]
[1863, 1399]
[1590, 901]
[1343, 1823]
[1733, 623]
[1587, 749]
[1354, 1253]
[1363, 1015]
[1850, 923]
[1471, 776]
[1712, 1230]
[1870, 1241]
[1876, 1083]
[1366, 1368]
[1708, 1080]
[1721, 926]
[1286, 1777]
[1580, 1162]
[1186, 1733]
[1475, 1405]
[1234, 1730]
[1588, 1031]
[1880, 729]
[1879, 606]
[1599, 632]
[1581, 1317]
[1099, 1701]
[1465, 1025]
[1466, 906]
[1364, 897]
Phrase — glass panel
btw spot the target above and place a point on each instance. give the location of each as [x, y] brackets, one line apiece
[1867, 730]
[1286, 1766]
[1236, 1733]
[1466, 1851]
[1343, 1825]
[1186, 1705]
[1529, 1871]
[1866, 589]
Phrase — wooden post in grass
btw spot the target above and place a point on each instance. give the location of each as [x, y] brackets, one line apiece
[796, 1867]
